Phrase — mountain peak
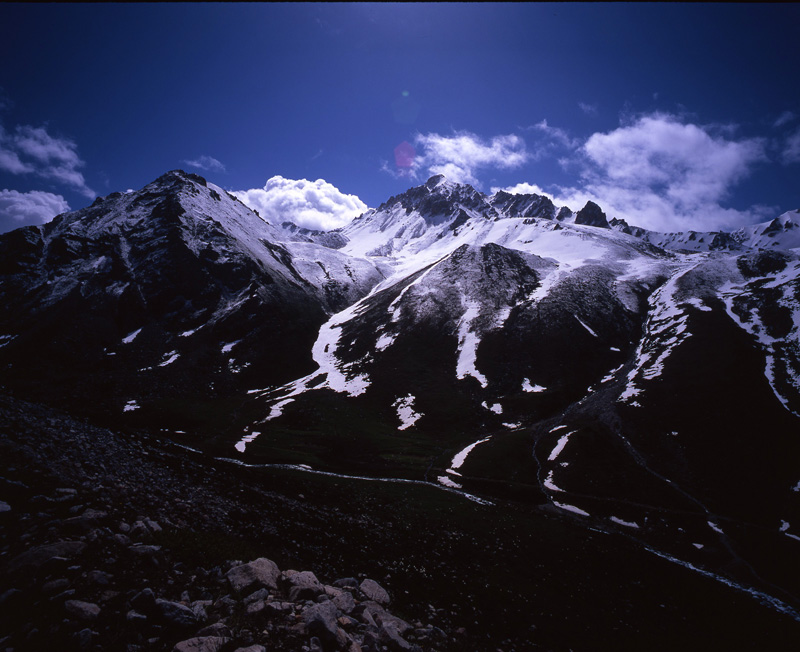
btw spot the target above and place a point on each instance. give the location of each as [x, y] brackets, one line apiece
[592, 215]
[435, 180]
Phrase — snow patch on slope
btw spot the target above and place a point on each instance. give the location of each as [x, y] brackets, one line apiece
[468, 345]
[405, 412]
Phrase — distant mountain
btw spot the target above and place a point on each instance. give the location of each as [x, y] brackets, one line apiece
[644, 383]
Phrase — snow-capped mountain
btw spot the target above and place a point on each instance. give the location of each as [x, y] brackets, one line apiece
[171, 293]
[646, 383]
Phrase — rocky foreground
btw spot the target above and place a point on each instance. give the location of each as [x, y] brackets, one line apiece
[99, 543]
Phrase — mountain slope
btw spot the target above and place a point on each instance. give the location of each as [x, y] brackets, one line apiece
[174, 293]
[640, 383]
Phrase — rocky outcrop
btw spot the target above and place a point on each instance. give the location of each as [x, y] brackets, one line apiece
[80, 571]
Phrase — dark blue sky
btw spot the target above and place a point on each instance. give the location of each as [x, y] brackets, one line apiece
[671, 115]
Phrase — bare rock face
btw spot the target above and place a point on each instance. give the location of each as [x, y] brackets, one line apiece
[592, 215]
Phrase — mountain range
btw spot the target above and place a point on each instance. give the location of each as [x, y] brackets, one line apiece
[500, 347]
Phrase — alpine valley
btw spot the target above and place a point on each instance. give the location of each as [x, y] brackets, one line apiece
[561, 430]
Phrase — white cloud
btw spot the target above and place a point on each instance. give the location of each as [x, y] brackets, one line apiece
[31, 150]
[207, 163]
[25, 208]
[662, 174]
[588, 109]
[523, 188]
[784, 118]
[460, 156]
[316, 205]
[791, 152]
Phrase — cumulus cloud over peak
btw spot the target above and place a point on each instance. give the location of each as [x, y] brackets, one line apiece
[523, 188]
[664, 174]
[27, 208]
[32, 150]
[316, 205]
[461, 156]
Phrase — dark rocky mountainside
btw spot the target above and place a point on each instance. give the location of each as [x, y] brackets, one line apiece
[457, 384]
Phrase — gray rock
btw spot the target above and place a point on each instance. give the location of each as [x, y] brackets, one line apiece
[303, 585]
[258, 574]
[55, 586]
[176, 614]
[251, 648]
[321, 621]
[135, 618]
[217, 629]
[99, 577]
[385, 618]
[142, 550]
[202, 644]
[153, 526]
[390, 637]
[225, 605]
[278, 608]
[344, 602]
[139, 531]
[346, 582]
[255, 608]
[374, 591]
[365, 613]
[34, 558]
[199, 609]
[86, 521]
[83, 639]
[9, 598]
[261, 594]
[145, 602]
[82, 610]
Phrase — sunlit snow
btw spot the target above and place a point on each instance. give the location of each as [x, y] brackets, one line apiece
[405, 412]
[619, 521]
[131, 336]
[461, 456]
[571, 508]
[173, 355]
[468, 345]
[582, 323]
[242, 444]
[560, 445]
[528, 387]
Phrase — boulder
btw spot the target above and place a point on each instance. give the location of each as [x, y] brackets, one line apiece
[259, 574]
[321, 621]
[344, 602]
[175, 614]
[82, 610]
[374, 591]
[303, 585]
[144, 602]
[391, 638]
[201, 644]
